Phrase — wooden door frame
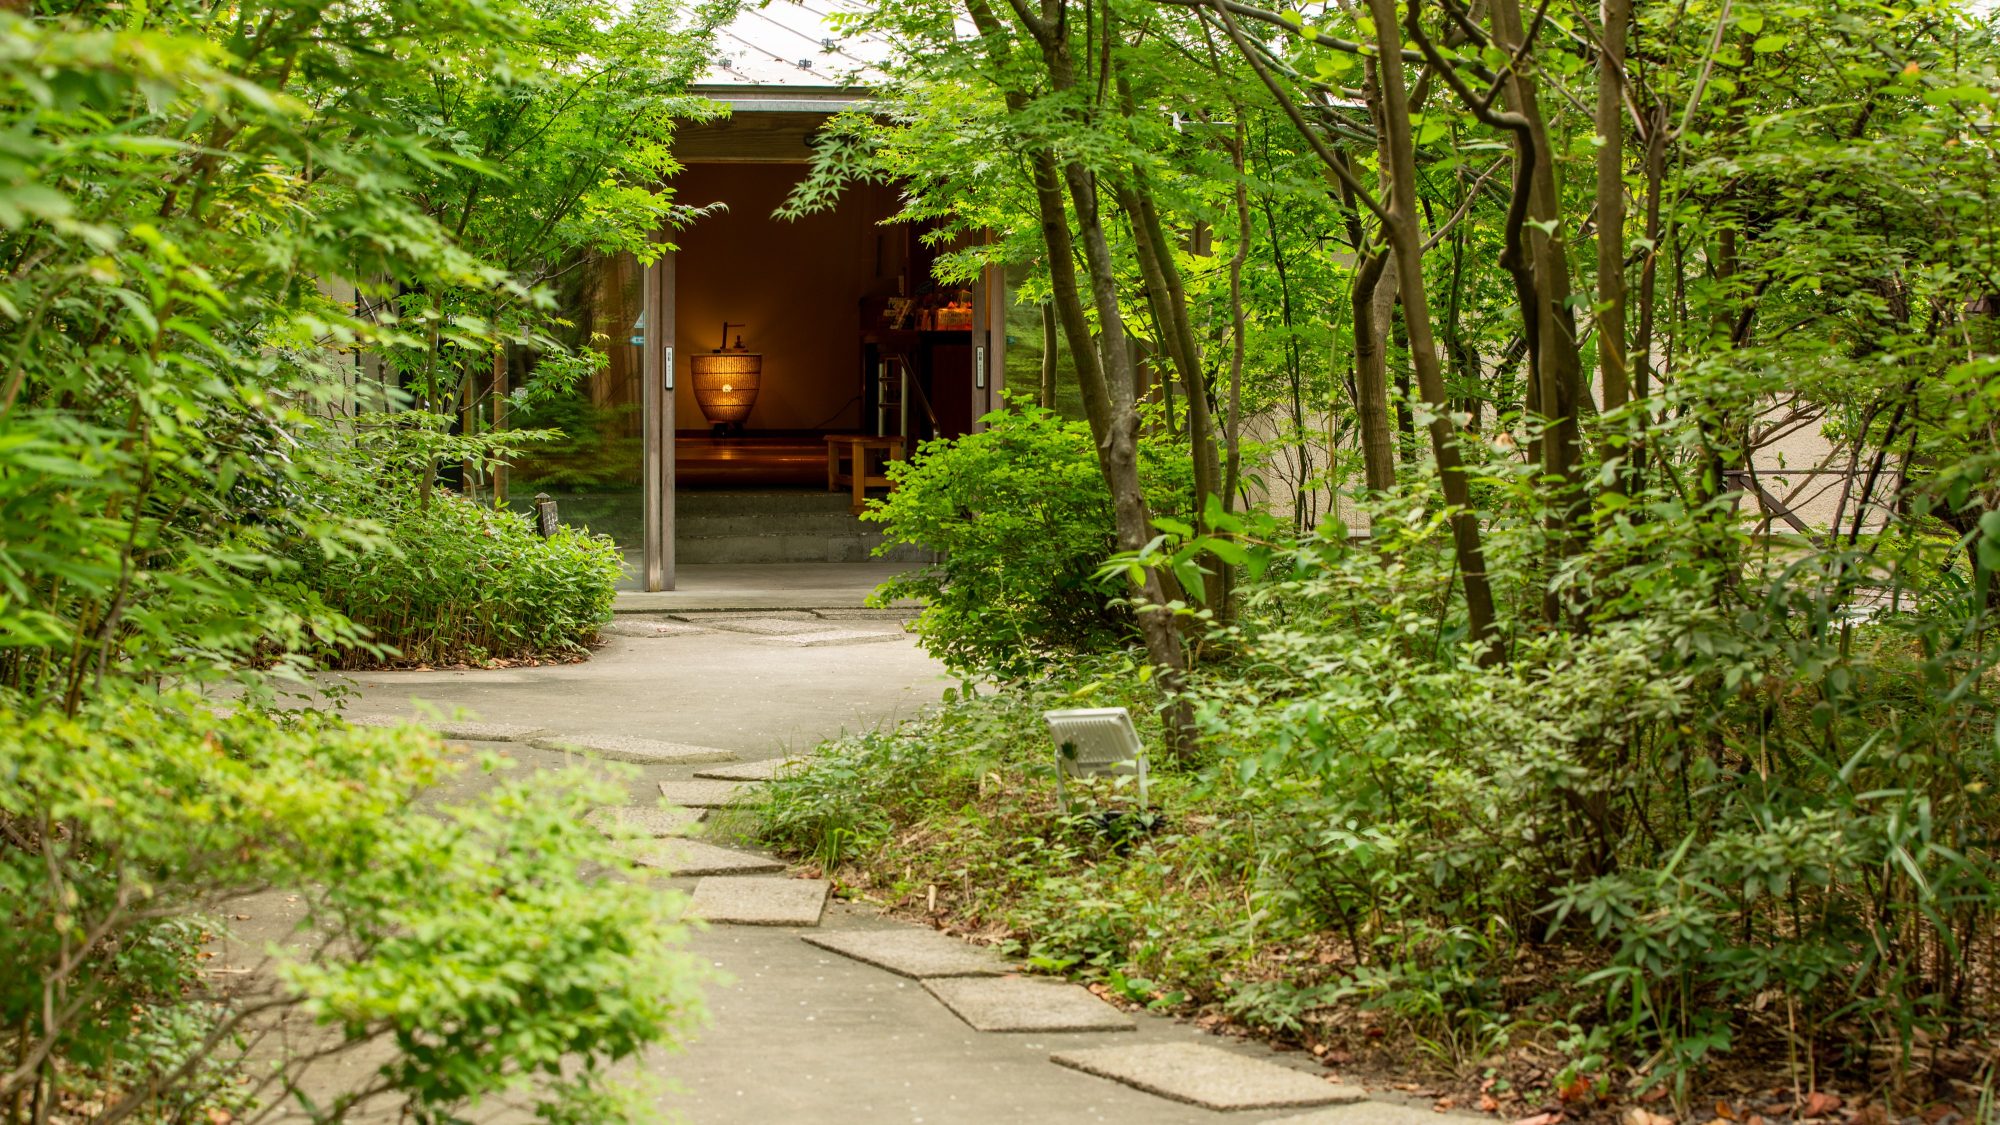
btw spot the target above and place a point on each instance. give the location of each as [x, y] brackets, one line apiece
[656, 407]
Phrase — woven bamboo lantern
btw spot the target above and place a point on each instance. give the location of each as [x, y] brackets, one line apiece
[726, 381]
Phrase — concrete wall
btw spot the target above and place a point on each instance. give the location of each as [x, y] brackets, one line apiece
[799, 285]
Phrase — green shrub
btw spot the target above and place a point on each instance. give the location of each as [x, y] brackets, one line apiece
[478, 943]
[1642, 840]
[1023, 519]
[460, 582]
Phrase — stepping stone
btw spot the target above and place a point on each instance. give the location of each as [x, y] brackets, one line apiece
[759, 902]
[1024, 1004]
[487, 732]
[1205, 1076]
[1375, 1113]
[692, 857]
[650, 822]
[709, 794]
[828, 638]
[652, 629]
[644, 751]
[748, 771]
[771, 626]
[914, 953]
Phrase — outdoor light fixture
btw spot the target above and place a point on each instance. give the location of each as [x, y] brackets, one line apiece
[1094, 741]
[725, 382]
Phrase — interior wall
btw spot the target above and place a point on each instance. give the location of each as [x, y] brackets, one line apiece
[797, 286]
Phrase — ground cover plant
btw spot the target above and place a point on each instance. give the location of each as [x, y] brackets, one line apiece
[1584, 878]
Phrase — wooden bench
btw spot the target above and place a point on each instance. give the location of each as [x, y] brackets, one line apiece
[855, 448]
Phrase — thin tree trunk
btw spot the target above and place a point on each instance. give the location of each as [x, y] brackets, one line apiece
[1558, 374]
[1374, 301]
[1404, 236]
[1048, 355]
[1642, 351]
[1170, 314]
[1612, 365]
[1232, 433]
[1118, 453]
[499, 423]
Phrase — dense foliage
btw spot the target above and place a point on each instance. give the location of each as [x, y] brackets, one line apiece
[219, 226]
[1651, 347]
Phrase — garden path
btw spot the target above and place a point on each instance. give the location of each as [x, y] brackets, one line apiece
[801, 1035]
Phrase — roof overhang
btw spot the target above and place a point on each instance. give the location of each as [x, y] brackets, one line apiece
[785, 99]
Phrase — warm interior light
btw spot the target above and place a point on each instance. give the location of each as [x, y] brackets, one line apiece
[726, 381]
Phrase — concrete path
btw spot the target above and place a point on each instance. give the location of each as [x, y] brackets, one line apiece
[761, 586]
[800, 1034]
[753, 694]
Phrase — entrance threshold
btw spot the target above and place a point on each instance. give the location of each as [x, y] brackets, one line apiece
[726, 586]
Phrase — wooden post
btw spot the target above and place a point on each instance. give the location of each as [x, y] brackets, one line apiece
[656, 405]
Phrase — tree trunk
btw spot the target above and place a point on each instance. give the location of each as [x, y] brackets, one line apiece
[1048, 355]
[1374, 302]
[1612, 366]
[1108, 404]
[1233, 432]
[1165, 296]
[1558, 375]
[1404, 237]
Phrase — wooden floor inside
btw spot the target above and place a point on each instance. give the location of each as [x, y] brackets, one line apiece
[754, 460]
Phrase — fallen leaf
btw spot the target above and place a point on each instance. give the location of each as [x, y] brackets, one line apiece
[1540, 1119]
[1819, 1104]
[1637, 1116]
[1576, 1091]
[1723, 1111]
[1443, 1104]
[1489, 1104]
[218, 1116]
[242, 917]
[1654, 1094]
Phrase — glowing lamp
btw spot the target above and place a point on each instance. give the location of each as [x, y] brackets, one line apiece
[726, 381]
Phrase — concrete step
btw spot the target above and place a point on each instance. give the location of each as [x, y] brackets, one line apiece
[759, 503]
[775, 523]
[791, 549]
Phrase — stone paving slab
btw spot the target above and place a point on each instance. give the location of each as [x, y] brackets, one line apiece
[1376, 1113]
[921, 954]
[487, 732]
[759, 902]
[747, 771]
[1023, 1004]
[710, 617]
[624, 748]
[825, 638]
[374, 720]
[692, 857]
[709, 794]
[1205, 1076]
[651, 822]
[652, 629]
[771, 626]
